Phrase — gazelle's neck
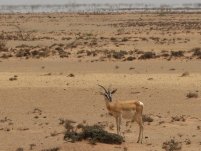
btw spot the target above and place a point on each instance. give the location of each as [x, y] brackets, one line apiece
[107, 104]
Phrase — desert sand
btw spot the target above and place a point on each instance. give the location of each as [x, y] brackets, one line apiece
[51, 64]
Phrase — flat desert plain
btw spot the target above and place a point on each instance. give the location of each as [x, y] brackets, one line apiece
[51, 65]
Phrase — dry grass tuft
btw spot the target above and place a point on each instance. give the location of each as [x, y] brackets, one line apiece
[177, 53]
[3, 47]
[196, 52]
[20, 149]
[192, 95]
[148, 55]
[52, 149]
[71, 75]
[185, 74]
[119, 54]
[147, 118]
[178, 118]
[13, 78]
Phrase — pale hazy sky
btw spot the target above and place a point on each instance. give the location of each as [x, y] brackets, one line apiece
[14, 2]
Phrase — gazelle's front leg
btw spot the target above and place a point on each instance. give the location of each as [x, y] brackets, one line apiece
[118, 123]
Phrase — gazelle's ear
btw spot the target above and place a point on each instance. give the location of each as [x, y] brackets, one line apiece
[113, 91]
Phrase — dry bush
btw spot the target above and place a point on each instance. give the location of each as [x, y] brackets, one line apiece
[13, 78]
[147, 118]
[185, 74]
[20, 149]
[42, 52]
[178, 118]
[192, 95]
[124, 39]
[22, 34]
[6, 55]
[94, 134]
[27, 52]
[80, 51]
[113, 39]
[23, 53]
[63, 54]
[165, 54]
[66, 38]
[3, 47]
[130, 58]
[119, 55]
[71, 75]
[52, 149]
[196, 52]
[116, 67]
[172, 145]
[187, 141]
[148, 55]
[31, 146]
[177, 53]
[131, 68]
[67, 124]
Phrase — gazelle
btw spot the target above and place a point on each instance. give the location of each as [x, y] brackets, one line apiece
[116, 108]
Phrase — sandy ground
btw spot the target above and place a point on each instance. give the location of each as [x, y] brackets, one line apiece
[43, 92]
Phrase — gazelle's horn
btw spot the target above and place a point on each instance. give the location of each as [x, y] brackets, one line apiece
[102, 87]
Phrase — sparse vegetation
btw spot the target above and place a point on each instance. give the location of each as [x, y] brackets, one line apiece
[192, 95]
[148, 55]
[71, 75]
[187, 141]
[178, 118]
[4, 51]
[51, 149]
[124, 39]
[116, 67]
[22, 35]
[3, 47]
[113, 39]
[197, 52]
[130, 58]
[172, 145]
[119, 54]
[13, 78]
[94, 134]
[185, 74]
[20, 149]
[147, 118]
[177, 53]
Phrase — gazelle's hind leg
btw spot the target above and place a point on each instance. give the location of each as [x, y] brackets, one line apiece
[138, 119]
[117, 123]
[120, 117]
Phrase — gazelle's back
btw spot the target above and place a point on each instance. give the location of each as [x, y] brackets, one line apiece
[126, 105]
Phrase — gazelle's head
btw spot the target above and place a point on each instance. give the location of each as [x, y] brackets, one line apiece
[107, 93]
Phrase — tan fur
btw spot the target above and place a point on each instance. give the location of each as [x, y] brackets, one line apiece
[116, 108]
